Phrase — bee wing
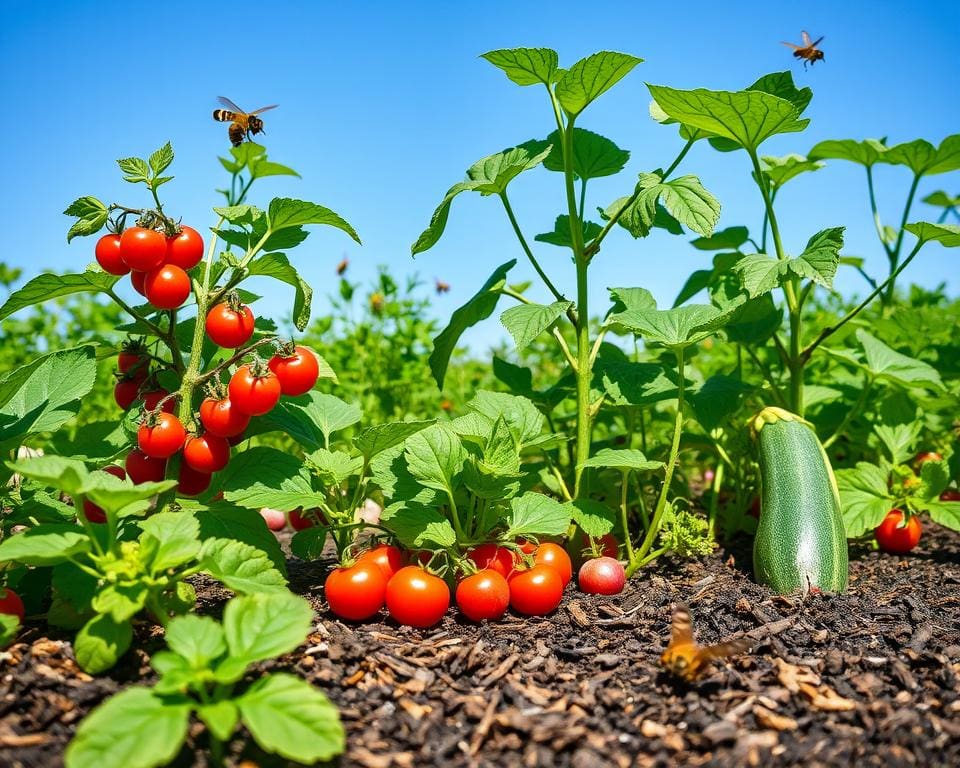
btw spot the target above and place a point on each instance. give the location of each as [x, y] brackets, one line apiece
[806, 38]
[681, 627]
[791, 45]
[224, 101]
[817, 42]
[264, 109]
[723, 650]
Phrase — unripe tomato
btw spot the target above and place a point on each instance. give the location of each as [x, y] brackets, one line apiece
[484, 595]
[536, 591]
[417, 598]
[297, 373]
[91, 511]
[190, 482]
[11, 604]
[356, 593]
[167, 286]
[138, 281]
[108, 255]
[186, 249]
[274, 518]
[142, 249]
[557, 558]
[496, 558]
[161, 436]
[220, 418]
[206, 453]
[602, 576]
[229, 328]
[144, 469]
[896, 536]
[252, 394]
[388, 557]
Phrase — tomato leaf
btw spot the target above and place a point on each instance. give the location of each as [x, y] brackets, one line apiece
[277, 266]
[534, 514]
[864, 498]
[240, 567]
[175, 539]
[91, 216]
[418, 527]
[261, 626]
[291, 718]
[45, 545]
[945, 513]
[228, 521]
[137, 728]
[527, 321]
[161, 159]
[284, 212]
[44, 287]
[380, 437]
[435, 457]
[594, 518]
[101, 642]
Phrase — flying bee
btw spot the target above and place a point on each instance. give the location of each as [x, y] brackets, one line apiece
[242, 124]
[685, 658]
[342, 266]
[442, 287]
[808, 52]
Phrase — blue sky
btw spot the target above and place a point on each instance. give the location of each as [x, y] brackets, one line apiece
[384, 105]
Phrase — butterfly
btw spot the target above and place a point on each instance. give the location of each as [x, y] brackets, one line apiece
[684, 658]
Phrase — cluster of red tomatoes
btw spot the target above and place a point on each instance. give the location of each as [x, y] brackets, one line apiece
[530, 581]
[157, 263]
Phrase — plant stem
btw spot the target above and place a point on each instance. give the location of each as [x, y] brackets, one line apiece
[156, 329]
[624, 485]
[877, 223]
[852, 413]
[526, 248]
[715, 500]
[887, 297]
[654, 529]
[796, 363]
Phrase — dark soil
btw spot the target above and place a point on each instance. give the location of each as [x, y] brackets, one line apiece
[867, 678]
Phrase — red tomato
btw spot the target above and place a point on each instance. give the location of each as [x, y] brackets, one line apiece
[206, 453]
[252, 394]
[527, 547]
[192, 483]
[152, 399]
[536, 591]
[297, 373]
[356, 593]
[298, 521]
[220, 418]
[144, 469]
[754, 509]
[417, 598]
[108, 255]
[489, 555]
[922, 458]
[227, 328]
[484, 595]
[142, 249]
[387, 556]
[133, 359]
[896, 536]
[91, 511]
[161, 436]
[274, 518]
[602, 576]
[138, 280]
[11, 604]
[951, 494]
[125, 391]
[557, 558]
[186, 249]
[167, 286]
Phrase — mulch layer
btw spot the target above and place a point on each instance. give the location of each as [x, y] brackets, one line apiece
[868, 678]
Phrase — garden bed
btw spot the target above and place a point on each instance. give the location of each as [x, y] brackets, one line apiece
[874, 672]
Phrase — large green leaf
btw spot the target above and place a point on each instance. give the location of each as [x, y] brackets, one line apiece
[419, 527]
[780, 170]
[718, 399]
[525, 66]
[884, 362]
[242, 568]
[629, 383]
[590, 77]
[45, 545]
[921, 157]
[948, 235]
[534, 514]
[176, 539]
[101, 642]
[435, 457]
[594, 518]
[479, 307]
[622, 459]
[866, 152]
[863, 497]
[267, 477]
[691, 204]
[277, 266]
[47, 286]
[259, 626]
[594, 155]
[945, 513]
[761, 273]
[134, 729]
[228, 521]
[746, 117]
[675, 328]
[198, 639]
[380, 437]
[527, 321]
[561, 232]
[291, 718]
[285, 212]
[725, 239]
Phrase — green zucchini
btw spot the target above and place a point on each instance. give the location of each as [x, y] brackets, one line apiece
[801, 542]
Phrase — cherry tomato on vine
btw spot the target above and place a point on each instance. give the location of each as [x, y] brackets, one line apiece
[274, 518]
[252, 394]
[388, 557]
[557, 558]
[126, 391]
[144, 469]
[606, 544]
[206, 453]
[484, 595]
[297, 372]
[356, 593]
[190, 482]
[602, 576]
[161, 435]
[229, 328]
[152, 399]
[496, 558]
[896, 536]
[11, 604]
[133, 359]
[922, 458]
[186, 249]
[138, 281]
[108, 255]
[91, 511]
[220, 418]
[536, 591]
[299, 521]
[167, 286]
[417, 598]
[142, 249]
[951, 494]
